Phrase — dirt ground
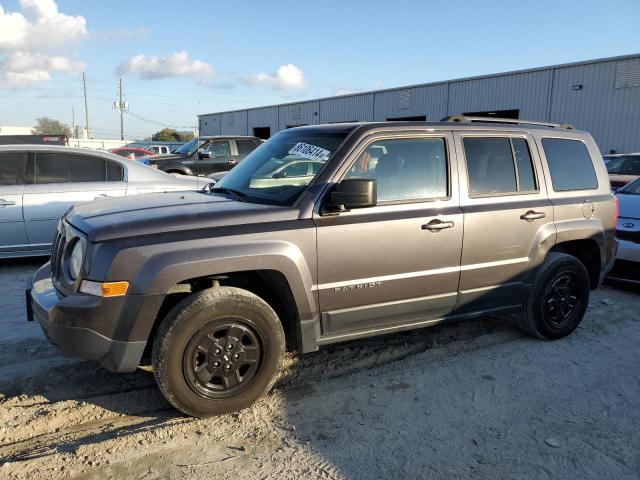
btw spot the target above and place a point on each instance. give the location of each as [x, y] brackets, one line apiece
[468, 399]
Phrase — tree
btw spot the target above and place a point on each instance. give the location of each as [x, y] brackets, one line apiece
[49, 126]
[165, 135]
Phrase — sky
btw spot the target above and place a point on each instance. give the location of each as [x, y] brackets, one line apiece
[181, 59]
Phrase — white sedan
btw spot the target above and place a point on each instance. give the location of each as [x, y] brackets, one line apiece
[38, 183]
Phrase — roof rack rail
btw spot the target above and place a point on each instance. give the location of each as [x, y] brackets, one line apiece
[466, 119]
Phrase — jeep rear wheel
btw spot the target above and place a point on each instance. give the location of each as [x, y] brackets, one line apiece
[559, 298]
[217, 351]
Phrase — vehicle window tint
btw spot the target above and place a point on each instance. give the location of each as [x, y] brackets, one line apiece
[298, 169]
[405, 169]
[570, 165]
[490, 165]
[632, 165]
[526, 177]
[220, 149]
[115, 172]
[53, 167]
[11, 164]
[245, 147]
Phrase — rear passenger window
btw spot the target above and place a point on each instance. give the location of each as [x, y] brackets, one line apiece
[114, 172]
[405, 169]
[11, 167]
[570, 165]
[245, 147]
[66, 168]
[498, 165]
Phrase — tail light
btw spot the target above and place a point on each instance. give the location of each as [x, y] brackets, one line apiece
[617, 209]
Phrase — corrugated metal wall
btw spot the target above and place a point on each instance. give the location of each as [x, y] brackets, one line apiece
[607, 104]
[527, 92]
[610, 114]
[430, 101]
[210, 124]
[305, 113]
[263, 117]
[347, 109]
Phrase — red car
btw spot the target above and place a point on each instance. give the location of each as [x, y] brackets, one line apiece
[131, 152]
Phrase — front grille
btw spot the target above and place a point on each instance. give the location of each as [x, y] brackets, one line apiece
[627, 235]
[59, 240]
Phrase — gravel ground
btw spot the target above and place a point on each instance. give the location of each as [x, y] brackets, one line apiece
[467, 399]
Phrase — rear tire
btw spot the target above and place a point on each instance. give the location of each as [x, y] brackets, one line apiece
[559, 298]
[217, 351]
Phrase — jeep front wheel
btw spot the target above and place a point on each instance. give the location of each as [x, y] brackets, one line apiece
[217, 351]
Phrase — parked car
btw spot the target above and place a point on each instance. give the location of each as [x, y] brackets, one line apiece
[132, 152]
[452, 221]
[158, 149]
[623, 168]
[39, 183]
[34, 140]
[204, 155]
[627, 265]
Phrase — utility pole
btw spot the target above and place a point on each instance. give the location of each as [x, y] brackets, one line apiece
[86, 105]
[73, 122]
[121, 113]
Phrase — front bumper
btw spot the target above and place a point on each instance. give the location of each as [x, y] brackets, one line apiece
[89, 327]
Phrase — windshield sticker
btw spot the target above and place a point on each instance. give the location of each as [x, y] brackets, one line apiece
[310, 152]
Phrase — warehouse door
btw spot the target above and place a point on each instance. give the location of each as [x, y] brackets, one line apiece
[262, 132]
[515, 114]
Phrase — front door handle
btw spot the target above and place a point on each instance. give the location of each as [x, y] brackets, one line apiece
[6, 203]
[437, 225]
[102, 195]
[530, 216]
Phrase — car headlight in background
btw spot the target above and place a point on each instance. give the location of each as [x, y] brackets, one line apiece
[75, 259]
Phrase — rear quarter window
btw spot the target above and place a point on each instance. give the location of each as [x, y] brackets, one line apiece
[570, 165]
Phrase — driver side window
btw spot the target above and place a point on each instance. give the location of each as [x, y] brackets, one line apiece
[220, 149]
[404, 169]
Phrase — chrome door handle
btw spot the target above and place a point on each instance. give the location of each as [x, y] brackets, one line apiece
[6, 203]
[437, 225]
[530, 216]
[102, 195]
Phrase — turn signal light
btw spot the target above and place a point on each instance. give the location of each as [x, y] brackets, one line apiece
[107, 289]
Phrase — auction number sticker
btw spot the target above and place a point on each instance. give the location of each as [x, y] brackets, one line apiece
[310, 152]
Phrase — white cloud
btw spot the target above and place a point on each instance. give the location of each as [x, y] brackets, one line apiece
[175, 64]
[21, 69]
[40, 26]
[287, 77]
[24, 35]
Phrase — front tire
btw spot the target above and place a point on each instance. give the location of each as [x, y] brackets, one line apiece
[217, 351]
[559, 298]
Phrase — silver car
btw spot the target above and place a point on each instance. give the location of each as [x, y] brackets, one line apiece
[38, 183]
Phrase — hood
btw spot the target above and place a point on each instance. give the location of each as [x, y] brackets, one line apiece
[628, 205]
[158, 213]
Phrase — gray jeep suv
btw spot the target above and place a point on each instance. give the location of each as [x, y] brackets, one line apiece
[404, 225]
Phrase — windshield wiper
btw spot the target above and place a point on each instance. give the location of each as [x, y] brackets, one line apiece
[240, 195]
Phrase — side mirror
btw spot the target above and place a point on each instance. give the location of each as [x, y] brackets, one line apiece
[204, 154]
[352, 193]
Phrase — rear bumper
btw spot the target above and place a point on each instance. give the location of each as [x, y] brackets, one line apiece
[72, 323]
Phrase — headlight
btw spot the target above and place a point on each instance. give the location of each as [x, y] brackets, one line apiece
[75, 260]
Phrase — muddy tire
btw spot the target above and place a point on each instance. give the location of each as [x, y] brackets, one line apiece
[556, 305]
[217, 351]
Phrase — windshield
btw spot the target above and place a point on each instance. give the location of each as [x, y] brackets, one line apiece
[632, 188]
[279, 170]
[190, 147]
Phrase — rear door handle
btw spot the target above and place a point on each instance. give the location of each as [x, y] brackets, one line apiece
[6, 203]
[530, 216]
[437, 225]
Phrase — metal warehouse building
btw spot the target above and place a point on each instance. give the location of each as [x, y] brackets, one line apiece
[599, 96]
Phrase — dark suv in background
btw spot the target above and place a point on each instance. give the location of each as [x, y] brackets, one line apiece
[204, 155]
